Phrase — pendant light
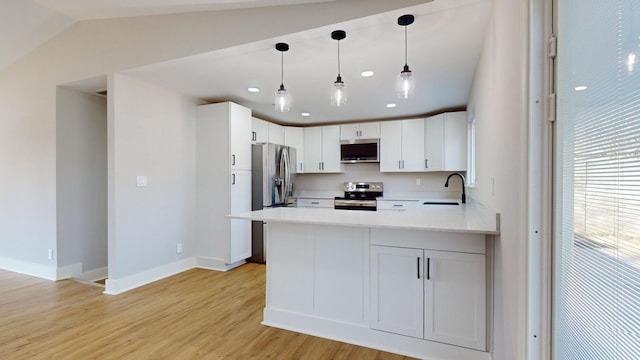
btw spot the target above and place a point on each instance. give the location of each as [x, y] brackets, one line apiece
[282, 101]
[406, 82]
[338, 92]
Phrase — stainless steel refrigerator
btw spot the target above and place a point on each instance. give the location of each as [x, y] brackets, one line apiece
[272, 181]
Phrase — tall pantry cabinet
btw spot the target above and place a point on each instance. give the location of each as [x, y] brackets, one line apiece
[223, 184]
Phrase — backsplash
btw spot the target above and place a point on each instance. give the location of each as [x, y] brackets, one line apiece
[431, 184]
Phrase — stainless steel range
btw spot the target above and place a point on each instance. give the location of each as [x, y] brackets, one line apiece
[359, 196]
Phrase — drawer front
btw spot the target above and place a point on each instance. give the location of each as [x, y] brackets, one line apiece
[320, 203]
[396, 205]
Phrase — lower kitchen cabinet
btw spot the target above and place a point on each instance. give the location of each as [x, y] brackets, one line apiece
[431, 294]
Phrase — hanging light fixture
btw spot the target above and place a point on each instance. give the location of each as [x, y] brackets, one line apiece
[282, 101]
[338, 92]
[406, 82]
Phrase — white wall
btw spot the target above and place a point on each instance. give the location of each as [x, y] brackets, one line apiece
[153, 136]
[81, 179]
[103, 47]
[498, 99]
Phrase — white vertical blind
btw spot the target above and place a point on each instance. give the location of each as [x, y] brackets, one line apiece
[597, 262]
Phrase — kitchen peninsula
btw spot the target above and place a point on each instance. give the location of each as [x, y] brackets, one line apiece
[415, 282]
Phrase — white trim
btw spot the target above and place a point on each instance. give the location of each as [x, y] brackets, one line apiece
[69, 271]
[365, 336]
[216, 264]
[29, 268]
[93, 275]
[118, 286]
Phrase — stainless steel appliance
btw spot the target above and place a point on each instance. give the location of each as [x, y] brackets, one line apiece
[272, 179]
[360, 151]
[359, 196]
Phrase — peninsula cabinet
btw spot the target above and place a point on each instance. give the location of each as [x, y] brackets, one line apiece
[431, 294]
[446, 142]
[223, 184]
[402, 145]
[322, 149]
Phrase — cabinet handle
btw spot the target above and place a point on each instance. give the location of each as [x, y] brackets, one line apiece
[233, 181]
[426, 163]
[397, 205]
[403, 164]
[300, 166]
[322, 165]
[319, 166]
[418, 263]
[428, 268]
[399, 164]
[315, 203]
[233, 159]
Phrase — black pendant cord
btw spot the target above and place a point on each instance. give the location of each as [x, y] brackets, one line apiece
[282, 69]
[338, 58]
[405, 47]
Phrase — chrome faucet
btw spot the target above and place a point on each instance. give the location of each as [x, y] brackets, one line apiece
[446, 184]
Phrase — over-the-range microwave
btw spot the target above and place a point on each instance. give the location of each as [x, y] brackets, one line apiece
[360, 151]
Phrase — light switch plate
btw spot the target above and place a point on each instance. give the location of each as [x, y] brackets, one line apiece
[141, 181]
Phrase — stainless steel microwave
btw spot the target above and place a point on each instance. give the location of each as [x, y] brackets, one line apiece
[360, 151]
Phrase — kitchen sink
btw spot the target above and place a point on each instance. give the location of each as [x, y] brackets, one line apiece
[440, 203]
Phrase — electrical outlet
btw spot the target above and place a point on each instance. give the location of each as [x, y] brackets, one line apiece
[179, 248]
[50, 254]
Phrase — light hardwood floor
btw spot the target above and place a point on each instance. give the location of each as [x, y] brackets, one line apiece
[198, 314]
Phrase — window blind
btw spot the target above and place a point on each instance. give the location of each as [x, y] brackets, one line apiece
[597, 252]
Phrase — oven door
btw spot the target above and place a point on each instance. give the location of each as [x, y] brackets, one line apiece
[351, 204]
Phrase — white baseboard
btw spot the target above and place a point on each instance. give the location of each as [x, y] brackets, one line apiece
[93, 275]
[360, 335]
[216, 264]
[69, 271]
[118, 286]
[29, 268]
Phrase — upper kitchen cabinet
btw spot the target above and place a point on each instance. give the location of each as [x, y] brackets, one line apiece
[265, 131]
[322, 149]
[402, 145]
[294, 137]
[239, 124]
[370, 130]
[446, 142]
[259, 131]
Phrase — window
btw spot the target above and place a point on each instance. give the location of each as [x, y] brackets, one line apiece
[597, 245]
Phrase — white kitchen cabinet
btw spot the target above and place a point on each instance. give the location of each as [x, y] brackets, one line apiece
[322, 149]
[314, 202]
[369, 130]
[223, 183]
[446, 142]
[402, 145]
[294, 137]
[397, 205]
[431, 294]
[276, 133]
[259, 131]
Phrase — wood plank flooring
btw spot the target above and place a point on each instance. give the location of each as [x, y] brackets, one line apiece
[198, 314]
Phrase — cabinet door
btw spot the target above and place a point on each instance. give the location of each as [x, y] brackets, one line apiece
[260, 131]
[413, 145]
[434, 143]
[454, 298]
[455, 141]
[240, 234]
[370, 130]
[331, 149]
[349, 131]
[240, 136]
[390, 146]
[276, 133]
[312, 149]
[294, 137]
[397, 290]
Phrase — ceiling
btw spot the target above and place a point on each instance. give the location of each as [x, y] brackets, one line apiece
[444, 45]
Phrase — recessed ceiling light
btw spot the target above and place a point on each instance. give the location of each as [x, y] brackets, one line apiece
[366, 73]
[580, 88]
[390, 106]
[305, 114]
[253, 90]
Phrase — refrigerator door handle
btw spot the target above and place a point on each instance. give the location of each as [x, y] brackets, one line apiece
[286, 174]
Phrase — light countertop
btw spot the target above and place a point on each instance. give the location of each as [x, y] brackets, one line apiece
[467, 218]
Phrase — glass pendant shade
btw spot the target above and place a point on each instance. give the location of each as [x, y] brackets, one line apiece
[339, 93]
[282, 100]
[406, 84]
